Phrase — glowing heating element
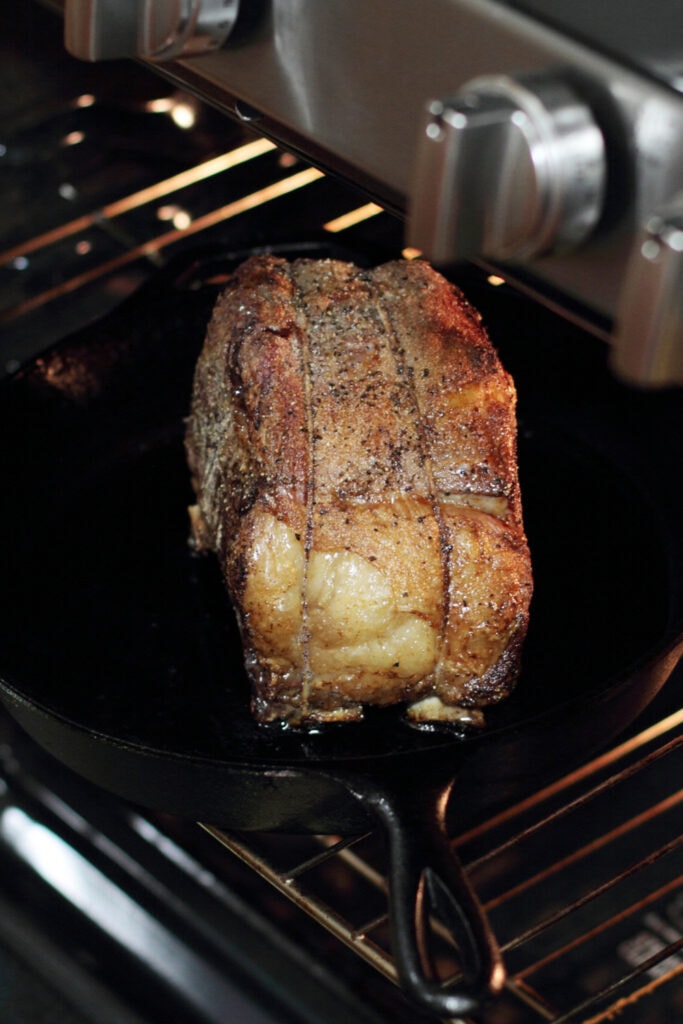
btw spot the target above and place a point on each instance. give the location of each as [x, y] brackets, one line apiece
[357, 216]
[161, 189]
[152, 248]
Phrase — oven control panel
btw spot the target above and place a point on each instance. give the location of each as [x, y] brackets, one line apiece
[543, 140]
[154, 30]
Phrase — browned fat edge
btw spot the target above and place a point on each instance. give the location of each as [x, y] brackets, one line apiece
[406, 377]
[309, 485]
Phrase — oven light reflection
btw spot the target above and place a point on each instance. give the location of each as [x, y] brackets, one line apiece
[175, 215]
[182, 111]
[68, 191]
[171, 851]
[159, 106]
[114, 911]
[73, 138]
[184, 115]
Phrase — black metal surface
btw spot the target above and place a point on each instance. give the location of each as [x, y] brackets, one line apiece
[120, 655]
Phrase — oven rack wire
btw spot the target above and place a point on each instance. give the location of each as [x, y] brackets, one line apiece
[605, 929]
[66, 275]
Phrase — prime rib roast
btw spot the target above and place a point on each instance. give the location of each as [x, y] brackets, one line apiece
[352, 445]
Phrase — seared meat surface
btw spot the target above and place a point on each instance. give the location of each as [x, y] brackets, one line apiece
[352, 444]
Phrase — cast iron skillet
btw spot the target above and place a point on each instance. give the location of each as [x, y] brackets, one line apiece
[118, 651]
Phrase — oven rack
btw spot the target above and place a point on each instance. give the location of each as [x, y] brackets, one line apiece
[581, 880]
[70, 272]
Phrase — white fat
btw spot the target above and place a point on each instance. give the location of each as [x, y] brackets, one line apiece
[491, 505]
[274, 582]
[405, 650]
[431, 709]
[347, 598]
[353, 620]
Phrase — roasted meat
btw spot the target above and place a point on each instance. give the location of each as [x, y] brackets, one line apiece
[352, 445]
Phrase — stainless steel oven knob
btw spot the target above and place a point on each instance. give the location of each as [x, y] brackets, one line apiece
[648, 333]
[155, 30]
[184, 28]
[509, 169]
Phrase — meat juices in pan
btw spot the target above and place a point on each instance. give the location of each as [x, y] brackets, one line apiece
[352, 444]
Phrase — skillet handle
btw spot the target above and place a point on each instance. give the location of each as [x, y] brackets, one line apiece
[426, 876]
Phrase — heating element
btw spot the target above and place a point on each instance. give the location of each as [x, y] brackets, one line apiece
[112, 913]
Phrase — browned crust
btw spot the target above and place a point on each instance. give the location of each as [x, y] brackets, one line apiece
[247, 430]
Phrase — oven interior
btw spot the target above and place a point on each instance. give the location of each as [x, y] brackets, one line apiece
[117, 913]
